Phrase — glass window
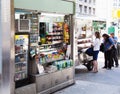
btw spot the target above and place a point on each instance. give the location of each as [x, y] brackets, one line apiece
[89, 1]
[89, 10]
[114, 4]
[93, 11]
[85, 1]
[80, 7]
[94, 1]
[85, 9]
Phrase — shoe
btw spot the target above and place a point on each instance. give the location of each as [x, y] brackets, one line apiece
[112, 66]
[117, 66]
[108, 68]
[104, 67]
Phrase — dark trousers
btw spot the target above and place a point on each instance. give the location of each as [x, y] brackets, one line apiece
[115, 58]
[108, 58]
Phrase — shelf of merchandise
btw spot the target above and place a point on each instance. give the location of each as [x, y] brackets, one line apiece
[84, 43]
[51, 44]
[51, 61]
[34, 30]
[21, 71]
[24, 62]
[21, 56]
[22, 53]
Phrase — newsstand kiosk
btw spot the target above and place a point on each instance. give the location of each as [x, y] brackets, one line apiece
[43, 46]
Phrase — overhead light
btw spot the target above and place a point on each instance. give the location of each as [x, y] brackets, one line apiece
[52, 14]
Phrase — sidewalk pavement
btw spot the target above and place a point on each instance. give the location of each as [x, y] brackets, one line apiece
[85, 87]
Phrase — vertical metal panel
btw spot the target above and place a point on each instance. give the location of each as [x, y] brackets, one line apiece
[7, 45]
[0, 49]
[71, 34]
[72, 39]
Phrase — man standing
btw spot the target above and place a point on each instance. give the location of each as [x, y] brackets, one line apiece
[115, 58]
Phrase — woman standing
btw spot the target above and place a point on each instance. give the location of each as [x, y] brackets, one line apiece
[108, 47]
[96, 48]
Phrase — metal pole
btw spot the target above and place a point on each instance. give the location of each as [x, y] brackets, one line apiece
[7, 46]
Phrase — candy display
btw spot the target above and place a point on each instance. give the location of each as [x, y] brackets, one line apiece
[51, 56]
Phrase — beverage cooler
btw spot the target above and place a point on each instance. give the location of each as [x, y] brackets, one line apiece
[21, 58]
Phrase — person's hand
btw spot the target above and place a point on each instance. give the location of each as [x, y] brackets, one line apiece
[110, 48]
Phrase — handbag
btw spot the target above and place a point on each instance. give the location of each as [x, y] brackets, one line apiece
[102, 47]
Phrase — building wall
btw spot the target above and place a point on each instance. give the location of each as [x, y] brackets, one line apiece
[101, 9]
[85, 7]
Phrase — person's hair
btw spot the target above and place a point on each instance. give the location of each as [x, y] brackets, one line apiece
[107, 36]
[111, 33]
[97, 35]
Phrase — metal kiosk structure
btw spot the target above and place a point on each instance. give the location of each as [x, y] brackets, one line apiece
[39, 84]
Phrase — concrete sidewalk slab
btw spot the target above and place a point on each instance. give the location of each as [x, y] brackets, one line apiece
[85, 87]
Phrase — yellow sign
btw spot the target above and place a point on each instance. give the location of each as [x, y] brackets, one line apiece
[21, 36]
[116, 13]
